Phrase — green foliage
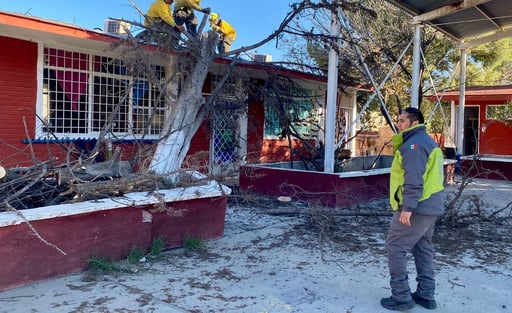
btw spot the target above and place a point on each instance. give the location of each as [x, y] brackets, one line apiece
[192, 243]
[99, 264]
[319, 53]
[502, 113]
[135, 255]
[106, 265]
[437, 124]
[383, 36]
[367, 122]
[157, 247]
[490, 64]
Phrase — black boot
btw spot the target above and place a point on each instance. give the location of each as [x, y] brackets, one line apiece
[427, 304]
[395, 305]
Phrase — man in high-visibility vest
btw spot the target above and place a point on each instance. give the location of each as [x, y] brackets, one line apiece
[417, 198]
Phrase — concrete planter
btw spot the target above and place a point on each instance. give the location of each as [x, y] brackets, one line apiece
[362, 179]
[106, 228]
[487, 166]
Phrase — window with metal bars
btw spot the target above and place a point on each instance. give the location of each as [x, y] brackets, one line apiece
[290, 106]
[229, 89]
[84, 93]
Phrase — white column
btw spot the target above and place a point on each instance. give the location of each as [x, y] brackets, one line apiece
[332, 90]
[353, 117]
[416, 60]
[453, 121]
[462, 101]
[242, 137]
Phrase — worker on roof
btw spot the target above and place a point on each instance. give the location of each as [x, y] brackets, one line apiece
[226, 32]
[159, 17]
[184, 14]
[160, 12]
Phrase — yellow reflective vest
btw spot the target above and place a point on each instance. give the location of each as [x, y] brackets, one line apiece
[159, 10]
[225, 29]
[187, 5]
[417, 173]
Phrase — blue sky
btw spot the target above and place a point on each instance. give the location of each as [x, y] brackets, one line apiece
[253, 20]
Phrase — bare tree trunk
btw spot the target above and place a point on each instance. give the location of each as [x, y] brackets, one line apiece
[186, 114]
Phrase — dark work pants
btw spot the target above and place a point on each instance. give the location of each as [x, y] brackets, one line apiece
[416, 239]
[169, 35]
[190, 23]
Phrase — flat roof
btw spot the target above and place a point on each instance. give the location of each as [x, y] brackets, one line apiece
[471, 22]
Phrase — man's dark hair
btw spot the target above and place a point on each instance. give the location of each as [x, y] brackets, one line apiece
[414, 115]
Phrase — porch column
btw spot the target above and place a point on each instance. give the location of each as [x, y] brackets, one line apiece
[353, 117]
[462, 101]
[332, 90]
[242, 125]
[416, 63]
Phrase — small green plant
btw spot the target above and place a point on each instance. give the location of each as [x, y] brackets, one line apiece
[191, 243]
[157, 247]
[99, 264]
[135, 254]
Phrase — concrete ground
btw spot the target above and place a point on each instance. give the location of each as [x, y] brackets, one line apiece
[291, 263]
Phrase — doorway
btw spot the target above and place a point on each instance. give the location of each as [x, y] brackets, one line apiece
[471, 130]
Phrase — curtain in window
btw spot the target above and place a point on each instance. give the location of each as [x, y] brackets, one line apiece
[73, 80]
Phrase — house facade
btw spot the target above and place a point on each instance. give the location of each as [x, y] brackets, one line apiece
[486, 150]
[60, 84]
[483, 133]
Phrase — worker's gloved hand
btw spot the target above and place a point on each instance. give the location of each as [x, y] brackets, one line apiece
[180, 28]
[206, 10]
[215, 28]
[182, 14]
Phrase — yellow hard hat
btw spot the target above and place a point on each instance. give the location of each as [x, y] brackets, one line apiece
[214, 17]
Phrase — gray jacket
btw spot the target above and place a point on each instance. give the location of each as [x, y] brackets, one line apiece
[417, 180]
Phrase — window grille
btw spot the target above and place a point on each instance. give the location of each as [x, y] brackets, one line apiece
[225, 121]
[225, 136]
[229, 88]
[84, 93]
[290, 106]
[225, 149]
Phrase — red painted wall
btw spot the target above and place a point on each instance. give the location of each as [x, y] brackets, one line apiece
[256, 118]
[326, 189]
[488, 169]
[198, 155]
[18, 80]
[260, 150]
[198, 218]
[18, 83]
[494, 136]
[18, 103]
[107, 234]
